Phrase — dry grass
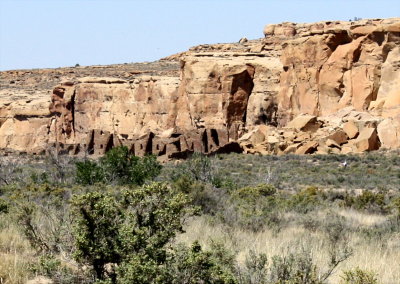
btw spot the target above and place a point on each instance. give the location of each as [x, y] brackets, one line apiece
[381, 257]
[357, 218]
[15, 256]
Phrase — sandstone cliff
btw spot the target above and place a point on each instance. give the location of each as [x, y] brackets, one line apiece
[303, 88]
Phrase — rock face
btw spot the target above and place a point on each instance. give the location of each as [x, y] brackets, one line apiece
[326, 87]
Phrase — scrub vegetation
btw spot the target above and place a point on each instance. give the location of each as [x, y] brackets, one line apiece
[222, 219]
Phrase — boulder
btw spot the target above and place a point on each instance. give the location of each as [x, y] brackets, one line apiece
[347, 149]
[339, 136]
[351, 129]
[307, 148]
[332, 143]
[291, 149]
[256, 136]
[301, 137]
[389, 133]
[304, 122]
[367, 140]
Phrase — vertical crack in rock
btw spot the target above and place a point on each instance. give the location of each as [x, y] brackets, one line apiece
[71, 108]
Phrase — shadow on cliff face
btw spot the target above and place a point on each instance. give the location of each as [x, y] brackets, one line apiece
[242, 85]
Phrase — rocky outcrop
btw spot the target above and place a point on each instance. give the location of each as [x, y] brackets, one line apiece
[326, 87]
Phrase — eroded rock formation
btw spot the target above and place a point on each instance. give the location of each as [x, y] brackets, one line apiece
[326, 87]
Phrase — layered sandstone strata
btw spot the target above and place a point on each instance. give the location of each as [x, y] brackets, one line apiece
[304, 88]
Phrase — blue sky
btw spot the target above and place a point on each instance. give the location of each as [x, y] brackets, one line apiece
[58, 33]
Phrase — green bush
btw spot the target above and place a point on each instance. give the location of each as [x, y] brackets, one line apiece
[254, 207]
[358, 276]
[306, 200]
[367, 200]
[130, 229]
[193, 265]
[88, 173]
[255, 192]
[396, 205]
[53, 268]
[4, 206]
[118, 166]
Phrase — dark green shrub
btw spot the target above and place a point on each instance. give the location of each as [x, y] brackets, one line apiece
[88, 173]
[146, 168]
[4, 206]
[193, 265]
[97, 221]
[118, 166]
[132, 229]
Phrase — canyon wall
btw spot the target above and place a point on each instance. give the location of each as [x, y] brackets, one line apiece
[327, 87]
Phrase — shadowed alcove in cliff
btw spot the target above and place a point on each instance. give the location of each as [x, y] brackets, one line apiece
[242, 85]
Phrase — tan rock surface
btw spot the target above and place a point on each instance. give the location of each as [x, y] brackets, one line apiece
[367, 140]
[308, 148]
[389, 133]
[304, 122]
[351, 129]
[291, 91]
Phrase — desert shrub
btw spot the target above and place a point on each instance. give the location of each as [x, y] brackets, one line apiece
[197, 167]
[4, 206]
[337, 238]
[306, 200]
[118, 166]
[358, 276]
[146, 168]
[367, 200]
[255, 192]
[39, 177]
[254, 206]
[201, 168]
[209, 199]
[255, 269]
[287, 268]
[395, 204]
[182, 265]
[97, 220]
[294, 268]
[53, 268]
[46, 225]
[141, 270]
[131, 229]
[194, 265]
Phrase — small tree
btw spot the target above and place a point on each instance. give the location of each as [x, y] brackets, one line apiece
[133, 229]
[97, 220]
[88, 173]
